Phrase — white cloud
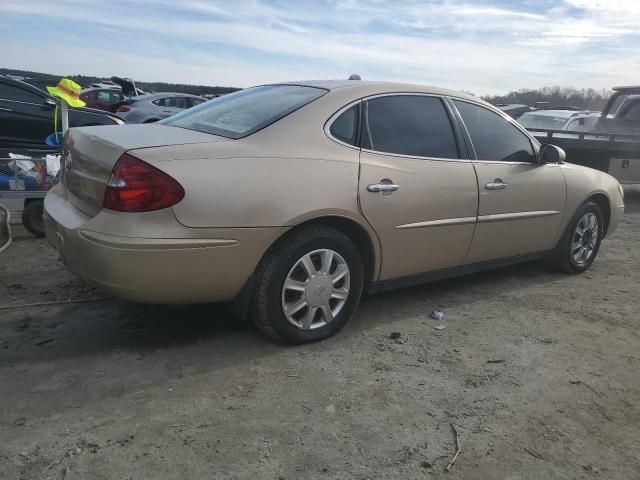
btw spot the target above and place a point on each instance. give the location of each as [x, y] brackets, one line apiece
[485, 48]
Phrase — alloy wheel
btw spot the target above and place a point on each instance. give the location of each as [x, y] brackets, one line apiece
[585, 238]
[316, 289]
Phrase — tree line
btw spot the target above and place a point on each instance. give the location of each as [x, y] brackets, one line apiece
[41, 80]
[585, 98]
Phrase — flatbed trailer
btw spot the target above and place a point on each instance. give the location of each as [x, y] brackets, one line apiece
[614, 144]
[615, 154]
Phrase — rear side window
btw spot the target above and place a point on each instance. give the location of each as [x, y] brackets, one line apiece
[345, 127]
[242, 113]
[493, 137]
[412, 125]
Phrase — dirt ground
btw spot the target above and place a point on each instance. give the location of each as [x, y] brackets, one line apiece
[538, 371]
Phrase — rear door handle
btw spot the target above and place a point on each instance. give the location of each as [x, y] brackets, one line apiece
[497, 184]
[383, 187]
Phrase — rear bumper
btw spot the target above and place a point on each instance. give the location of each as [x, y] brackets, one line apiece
[178, 265]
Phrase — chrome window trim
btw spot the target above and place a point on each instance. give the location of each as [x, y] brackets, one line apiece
[329, 123]
[333, 118]
[535, 144]
[500, 113]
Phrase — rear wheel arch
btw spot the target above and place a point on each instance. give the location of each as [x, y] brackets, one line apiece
[357, 233]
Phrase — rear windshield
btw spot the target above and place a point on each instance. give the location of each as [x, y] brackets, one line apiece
[241, 113]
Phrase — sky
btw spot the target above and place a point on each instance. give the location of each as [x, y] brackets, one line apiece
[484, 46]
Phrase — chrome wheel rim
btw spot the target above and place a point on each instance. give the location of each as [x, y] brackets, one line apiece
[316, 289]
[585, 238]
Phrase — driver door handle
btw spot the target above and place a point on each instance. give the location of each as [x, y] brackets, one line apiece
[383, 187]
[497, 184]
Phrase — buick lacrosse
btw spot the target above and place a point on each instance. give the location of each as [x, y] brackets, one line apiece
[292, 200]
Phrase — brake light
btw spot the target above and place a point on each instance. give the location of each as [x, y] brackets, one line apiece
[123, 109]
[136, 186]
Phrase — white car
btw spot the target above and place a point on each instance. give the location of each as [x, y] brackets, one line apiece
[570, 120]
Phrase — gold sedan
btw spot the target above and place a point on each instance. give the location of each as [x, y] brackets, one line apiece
[291, 200]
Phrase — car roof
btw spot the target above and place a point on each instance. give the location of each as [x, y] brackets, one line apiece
[369, 87]
[92, 89]
[627, 89]
[153, 96]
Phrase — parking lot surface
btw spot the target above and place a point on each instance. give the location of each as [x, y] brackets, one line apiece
[537, 371]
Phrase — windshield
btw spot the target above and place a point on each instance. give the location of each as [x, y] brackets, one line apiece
[548, 122]
[241, 113]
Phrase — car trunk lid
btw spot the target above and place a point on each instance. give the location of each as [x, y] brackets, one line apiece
[127, 85]
[90, 154]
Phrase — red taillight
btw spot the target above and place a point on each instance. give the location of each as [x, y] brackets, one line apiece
[136, 186]
[123, 109]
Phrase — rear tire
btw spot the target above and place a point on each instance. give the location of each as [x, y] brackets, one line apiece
[324, 278]
[33, 217]
[579, 245]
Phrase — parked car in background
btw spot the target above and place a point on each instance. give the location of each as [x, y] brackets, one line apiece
[514, 110]
[107, 99]
[27, 116]
[291, 200]
[557, 119]
[152, 107]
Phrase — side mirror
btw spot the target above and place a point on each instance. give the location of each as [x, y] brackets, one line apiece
[49, 103]
[552, 154]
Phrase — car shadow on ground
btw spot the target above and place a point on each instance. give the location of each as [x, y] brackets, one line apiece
[107, 326]
[102, 327]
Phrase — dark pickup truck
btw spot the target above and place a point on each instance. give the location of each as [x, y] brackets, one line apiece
[613, 146]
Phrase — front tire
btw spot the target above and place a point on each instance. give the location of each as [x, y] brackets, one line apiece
[308, 286]
[579, 245]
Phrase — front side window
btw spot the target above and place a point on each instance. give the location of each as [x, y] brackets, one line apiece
[345, 127]
[242, 113]
[10, 92]
[413, 125]
[493, 137]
